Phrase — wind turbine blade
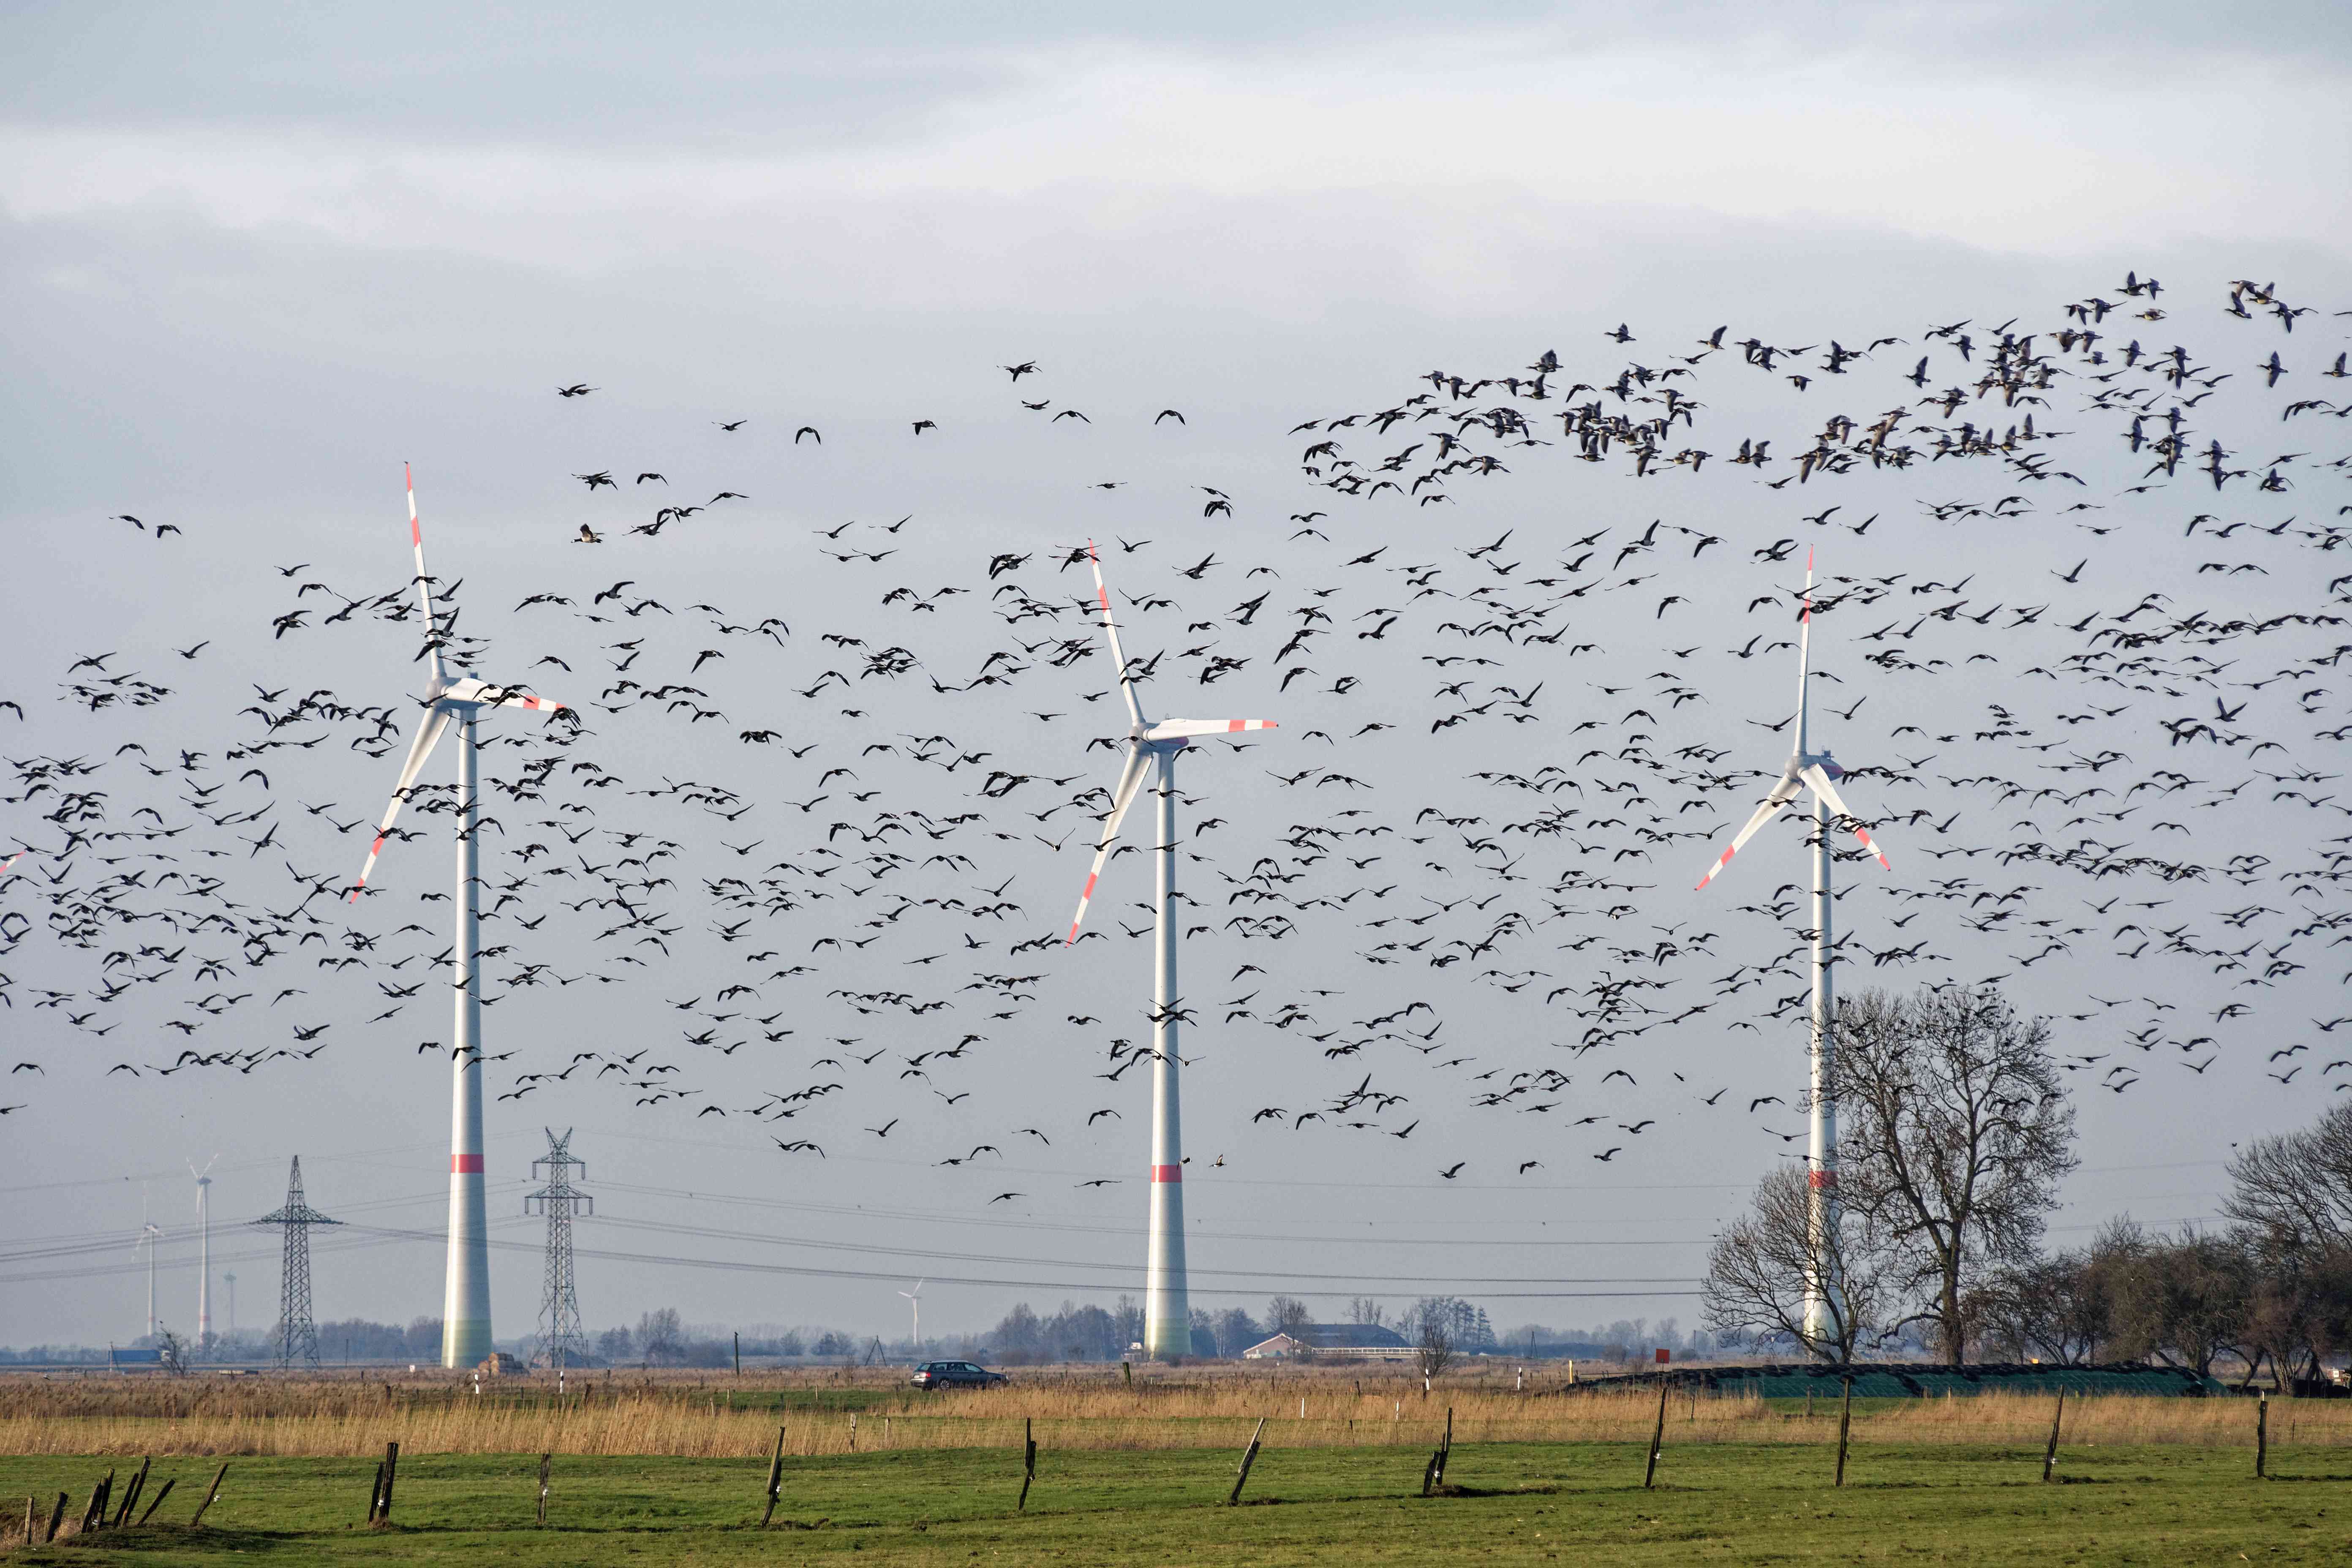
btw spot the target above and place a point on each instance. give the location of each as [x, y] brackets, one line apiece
[1130, 779]
[436, 721]
[1177, 728]
[1805, 656]
[9, 864]
[424, 583]
[1774, 804]
[1110, 630]
[1820, 779]
[485, 694]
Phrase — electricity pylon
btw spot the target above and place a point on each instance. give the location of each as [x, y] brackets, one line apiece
[298, 1336]
[561, 1339]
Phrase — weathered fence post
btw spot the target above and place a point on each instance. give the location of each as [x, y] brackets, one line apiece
[94, 1513]
[161, 1493]
[1028, 1463]
[1249, 1457]
[544, 1460]
[1658, 1438]
[775, 1479]
[2050, 1454]
[56, 1518]
[2262, 1435]
[1846, 1424]
[131, 1492]
[738, 1352]
[1433, 1474]
[391, 1472]
[209, 1496]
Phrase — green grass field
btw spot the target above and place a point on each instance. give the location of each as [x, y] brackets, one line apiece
[1515, 1503]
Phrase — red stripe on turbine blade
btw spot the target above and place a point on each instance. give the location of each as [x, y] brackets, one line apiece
[1167, 1172]
[465, 1164]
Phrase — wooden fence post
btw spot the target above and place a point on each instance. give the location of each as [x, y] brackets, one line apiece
[94, 1513]
[391, 1473]
[1028, 1463]
[544, 1460]
[375, 1493]
[209, 1496]
[2050, 1454]
[161, 1493]
[2262, 1435]
[1846, 1424]
[1249, 1457]
[1658, 1438]
[131, 1492]
[738, 1352]
[56, 1518]
[1433, 1474]
[775, 1479]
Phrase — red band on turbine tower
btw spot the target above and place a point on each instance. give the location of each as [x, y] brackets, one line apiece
[1820, 1179]
[465, 1164]
[1167, 1172]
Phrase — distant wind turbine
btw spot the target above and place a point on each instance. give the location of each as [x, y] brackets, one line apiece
[1167, 1315]
[466, 1300]
[1807, 768]
[914, 1300]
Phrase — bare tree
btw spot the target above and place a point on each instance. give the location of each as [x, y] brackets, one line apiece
[1432, 1323]
[2067, 1308]
[2294, 1189]
[1364, 1310]
[661, 1338]
[1288, 1315]
[1957, 1133]
[1758, 1269]
[2183, 1300]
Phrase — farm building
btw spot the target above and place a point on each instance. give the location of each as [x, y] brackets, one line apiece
[1333, 1341]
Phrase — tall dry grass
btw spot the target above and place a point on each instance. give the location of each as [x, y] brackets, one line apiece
[720, 1417]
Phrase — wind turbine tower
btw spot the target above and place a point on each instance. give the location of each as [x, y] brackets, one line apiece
[203, 1253]
[1807, 768]
[446, 702]
[1167, 1303]
[149, 1233]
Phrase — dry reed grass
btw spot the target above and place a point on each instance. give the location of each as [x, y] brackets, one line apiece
[716, 1416]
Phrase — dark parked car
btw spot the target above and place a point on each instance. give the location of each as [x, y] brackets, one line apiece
[954, 1374]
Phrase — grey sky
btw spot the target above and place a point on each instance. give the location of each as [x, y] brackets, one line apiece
[261, 258]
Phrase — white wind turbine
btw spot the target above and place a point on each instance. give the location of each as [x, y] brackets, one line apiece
[465, 1300]
[914, 1300]
[1817, 771]
[203, 1251]
[149, 1233]
[1167, 1305]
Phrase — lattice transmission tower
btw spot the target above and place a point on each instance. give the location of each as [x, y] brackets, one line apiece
[560, 1339]
[297, 1338]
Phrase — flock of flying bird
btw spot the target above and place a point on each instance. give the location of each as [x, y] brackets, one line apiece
[1461, 890]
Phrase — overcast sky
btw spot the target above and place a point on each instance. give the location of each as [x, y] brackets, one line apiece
[258, 257]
